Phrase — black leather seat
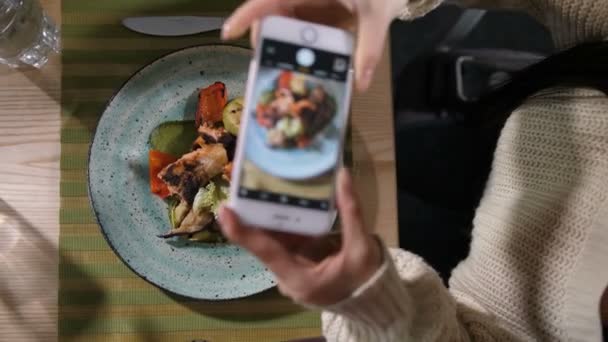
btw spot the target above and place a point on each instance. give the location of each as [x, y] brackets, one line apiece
[443, 163]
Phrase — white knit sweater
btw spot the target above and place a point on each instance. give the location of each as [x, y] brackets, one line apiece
[539, 256]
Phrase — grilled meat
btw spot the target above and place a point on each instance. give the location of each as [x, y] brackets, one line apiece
[227, 173]
[212, 134]
[198, 143]
[194, 170]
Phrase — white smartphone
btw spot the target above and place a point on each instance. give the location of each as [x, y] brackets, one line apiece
[292, 131]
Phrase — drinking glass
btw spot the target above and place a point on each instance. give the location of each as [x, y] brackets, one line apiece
[27, 34]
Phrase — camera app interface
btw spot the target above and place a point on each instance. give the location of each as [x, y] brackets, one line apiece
[293, 136]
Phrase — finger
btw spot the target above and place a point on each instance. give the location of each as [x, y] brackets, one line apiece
[337, 14]
[259, 242]
[253, 34]
[350, 211]
[244, 16]
[314, 252]
[371, 36]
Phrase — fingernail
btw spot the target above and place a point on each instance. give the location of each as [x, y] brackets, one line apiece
[225, 31]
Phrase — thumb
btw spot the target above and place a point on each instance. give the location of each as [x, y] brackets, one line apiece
[371, 36]
[350, 211]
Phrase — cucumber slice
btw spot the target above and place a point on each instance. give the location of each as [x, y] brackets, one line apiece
[232, 115]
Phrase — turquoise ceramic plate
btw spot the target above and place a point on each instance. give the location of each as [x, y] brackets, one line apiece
[129, 215]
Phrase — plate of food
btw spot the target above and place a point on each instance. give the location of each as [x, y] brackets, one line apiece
[294, 132]
[159, 168]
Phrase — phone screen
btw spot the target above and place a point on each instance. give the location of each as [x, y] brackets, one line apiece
[293, 138]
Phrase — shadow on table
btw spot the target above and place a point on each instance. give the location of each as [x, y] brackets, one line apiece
[48, 78]
[254, 308]
[30, 264]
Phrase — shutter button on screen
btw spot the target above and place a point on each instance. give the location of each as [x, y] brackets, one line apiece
[305, 57]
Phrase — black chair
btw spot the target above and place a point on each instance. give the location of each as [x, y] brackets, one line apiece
[442, 162]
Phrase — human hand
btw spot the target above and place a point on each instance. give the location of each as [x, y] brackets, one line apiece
[371, 18]
[314, 270]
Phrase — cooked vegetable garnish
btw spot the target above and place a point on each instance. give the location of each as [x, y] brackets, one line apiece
[177, 211]
[291, 127]
[173, 137]
[196, 184]
[210, 235]
[284, 80]
[193, 222]
[232, 115]
[211, 197]
[159, 160]
[294, 110]
[297, 85]
[211, 102]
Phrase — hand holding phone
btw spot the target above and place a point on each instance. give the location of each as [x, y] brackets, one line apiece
[371, 18]
[292, 132]
[314, 270]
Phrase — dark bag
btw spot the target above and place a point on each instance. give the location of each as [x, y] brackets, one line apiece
[583, 66]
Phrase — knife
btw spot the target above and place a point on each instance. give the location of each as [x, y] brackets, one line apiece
[173, 26]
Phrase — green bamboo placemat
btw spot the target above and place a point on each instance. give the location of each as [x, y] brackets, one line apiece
[100, 299]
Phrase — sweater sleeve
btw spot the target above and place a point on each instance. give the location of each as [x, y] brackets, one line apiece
[536, 265]
[569, 22]
[405, 300]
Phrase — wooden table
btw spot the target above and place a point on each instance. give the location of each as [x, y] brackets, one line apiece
[29, 187]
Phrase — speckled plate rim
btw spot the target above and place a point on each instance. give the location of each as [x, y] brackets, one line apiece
[92, 200]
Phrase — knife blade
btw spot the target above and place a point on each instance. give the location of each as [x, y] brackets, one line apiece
[172, 26]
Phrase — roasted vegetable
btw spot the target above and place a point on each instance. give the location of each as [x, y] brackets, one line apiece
[291, 127]
[211, 234]
[297, 84]
[194, 222]
[296, 112]
[195, 185]
[284, 80]
[266, 97]
[173, 137]
[158, 161]
[203, 236]
[211, 197]
[232, 115]
[178, 210]
[188, 220]
[211, 102]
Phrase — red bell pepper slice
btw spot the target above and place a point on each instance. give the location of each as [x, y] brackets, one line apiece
[159, 160]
